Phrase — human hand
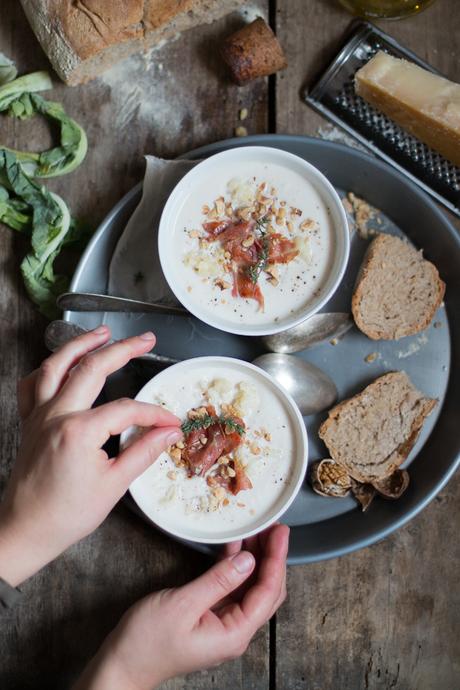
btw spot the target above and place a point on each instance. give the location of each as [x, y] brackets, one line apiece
[63, 484]
[210, 620]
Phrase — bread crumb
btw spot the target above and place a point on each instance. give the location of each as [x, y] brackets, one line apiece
[372, 357]
[241, 505]
[241, 131]
[243, 114]
[334, 341]
[172, 475]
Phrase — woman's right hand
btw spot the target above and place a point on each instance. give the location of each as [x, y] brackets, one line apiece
[210, 620]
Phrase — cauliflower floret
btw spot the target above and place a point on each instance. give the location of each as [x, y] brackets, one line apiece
[221, 386]
[242, 193]
[246, 399]
[304, 246]
[205, 266]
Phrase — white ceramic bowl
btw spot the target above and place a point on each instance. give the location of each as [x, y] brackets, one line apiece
[203, 184]
[150, 489]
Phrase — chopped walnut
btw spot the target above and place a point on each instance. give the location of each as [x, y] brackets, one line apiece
[222, 284]
[308, 224]
[197, 413]
[175, 454]
[171, 475]
[220, 206]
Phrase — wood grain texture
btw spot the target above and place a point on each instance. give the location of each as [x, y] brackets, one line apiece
[163, 102]
[388, 616]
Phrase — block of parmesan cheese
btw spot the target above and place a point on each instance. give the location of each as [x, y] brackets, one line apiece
[424, 104]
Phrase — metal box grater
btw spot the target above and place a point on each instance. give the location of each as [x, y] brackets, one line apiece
[333, 95]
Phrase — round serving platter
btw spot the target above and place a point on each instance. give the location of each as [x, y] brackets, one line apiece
[324, 528]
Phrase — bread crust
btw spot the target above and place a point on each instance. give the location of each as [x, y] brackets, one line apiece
[400, 453]
[252, 52]
[82, 38]
[365, 274]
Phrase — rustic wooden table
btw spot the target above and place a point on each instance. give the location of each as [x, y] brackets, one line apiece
[385, 617]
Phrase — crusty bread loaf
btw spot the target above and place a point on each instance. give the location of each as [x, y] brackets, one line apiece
[82, 38]
[372, 433]
[397, 291]
[423, 103]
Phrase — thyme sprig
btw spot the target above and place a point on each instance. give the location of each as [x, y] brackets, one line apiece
[208, 420]
[261, 264]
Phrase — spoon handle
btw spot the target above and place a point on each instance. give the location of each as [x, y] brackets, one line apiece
[88, 301]
[58, 333]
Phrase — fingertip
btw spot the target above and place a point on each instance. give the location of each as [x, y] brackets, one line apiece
[101, 330]
[244, 562]
[148, 336]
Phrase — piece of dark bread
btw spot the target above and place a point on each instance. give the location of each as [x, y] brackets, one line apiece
[397, 291]
[252, 52]
[372, 433]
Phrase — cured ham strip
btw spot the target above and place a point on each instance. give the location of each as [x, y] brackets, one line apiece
[200, 457]
[273, 248]
[216, 228]
[282, 250]
[243, 286]
[241, 481]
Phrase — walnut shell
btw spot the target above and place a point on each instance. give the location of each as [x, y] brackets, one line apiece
[394, 486]
[364, 493]
[328, 478]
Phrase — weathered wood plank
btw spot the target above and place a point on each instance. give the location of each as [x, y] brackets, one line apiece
[388, 616]
[162, 103]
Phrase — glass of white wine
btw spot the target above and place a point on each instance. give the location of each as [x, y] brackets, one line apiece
[388, 9]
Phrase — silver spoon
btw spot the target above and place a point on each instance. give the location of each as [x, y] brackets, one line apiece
[91, 301]
[311, 388]
[314, 330]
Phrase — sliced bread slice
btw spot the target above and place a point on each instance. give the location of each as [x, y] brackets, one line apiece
[372, 433]
[397, 291]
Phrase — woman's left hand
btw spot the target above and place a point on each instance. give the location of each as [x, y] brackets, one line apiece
[63, 484]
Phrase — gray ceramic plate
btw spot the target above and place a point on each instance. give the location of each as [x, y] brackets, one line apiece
[326, 527]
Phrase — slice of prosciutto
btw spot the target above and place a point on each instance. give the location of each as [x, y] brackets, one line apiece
[200, 457]
[282, 250]
[232, 236]
[243, 286]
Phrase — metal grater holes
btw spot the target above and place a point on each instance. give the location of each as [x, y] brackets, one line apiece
[409, 146]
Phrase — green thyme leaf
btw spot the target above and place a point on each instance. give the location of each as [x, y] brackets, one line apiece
[207, 421]
[261, 264]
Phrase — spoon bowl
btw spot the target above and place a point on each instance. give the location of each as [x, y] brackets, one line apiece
[313, 331]
[311, 388]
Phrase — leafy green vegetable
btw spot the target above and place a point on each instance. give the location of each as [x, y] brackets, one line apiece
[14, 95]
[19, 98]
[8, 69]
[29, 207]
[48, 218]
[61, 159]
[207, 420]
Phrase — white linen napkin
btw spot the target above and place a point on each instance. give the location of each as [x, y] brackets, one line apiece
[135, 269]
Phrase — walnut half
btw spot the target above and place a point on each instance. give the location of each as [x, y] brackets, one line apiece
[328, 478]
